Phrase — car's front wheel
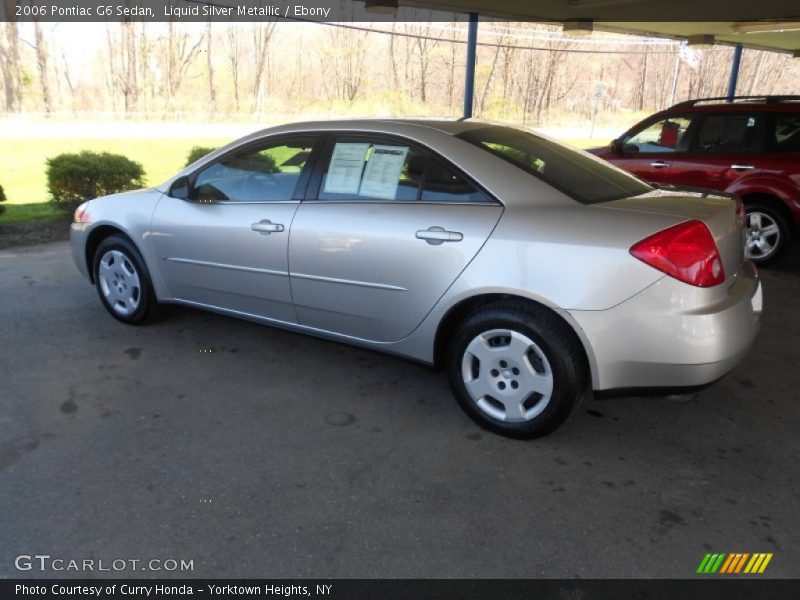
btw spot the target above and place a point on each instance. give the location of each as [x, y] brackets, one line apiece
[122, 281]
[767, 233]
[517, 369]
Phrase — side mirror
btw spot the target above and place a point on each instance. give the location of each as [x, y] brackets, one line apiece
[181, 188]
[616, 145]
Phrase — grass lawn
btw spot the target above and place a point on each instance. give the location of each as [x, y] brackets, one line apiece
[16, 213]
[23, 165]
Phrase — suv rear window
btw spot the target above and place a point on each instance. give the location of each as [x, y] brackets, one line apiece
[784, 134]
[582, 177]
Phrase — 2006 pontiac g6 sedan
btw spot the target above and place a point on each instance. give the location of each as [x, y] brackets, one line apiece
[532, 272]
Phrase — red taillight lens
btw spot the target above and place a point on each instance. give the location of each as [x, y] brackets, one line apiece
[686, 251]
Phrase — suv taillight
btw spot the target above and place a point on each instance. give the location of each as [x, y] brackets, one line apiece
[686, 251]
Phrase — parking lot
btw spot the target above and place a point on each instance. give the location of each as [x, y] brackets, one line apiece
[257, 452]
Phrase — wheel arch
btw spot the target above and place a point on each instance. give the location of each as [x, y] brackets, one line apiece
[456, 313]
[95, 237]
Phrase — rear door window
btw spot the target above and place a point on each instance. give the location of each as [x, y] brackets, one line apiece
[727, 133]
[390, 169]
[444, 184]
[367, 169]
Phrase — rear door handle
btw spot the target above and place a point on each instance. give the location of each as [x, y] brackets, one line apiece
[742, 167]
[659, 164]
[266, 227]
[438, 235]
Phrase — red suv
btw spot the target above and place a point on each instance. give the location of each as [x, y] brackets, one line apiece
[749, 147]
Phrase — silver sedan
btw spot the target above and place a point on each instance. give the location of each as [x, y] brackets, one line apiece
[532, 272]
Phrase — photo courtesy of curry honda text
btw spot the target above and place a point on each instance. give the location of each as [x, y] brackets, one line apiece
[533, 273]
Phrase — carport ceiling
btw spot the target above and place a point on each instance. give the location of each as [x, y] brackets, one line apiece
[653, 17]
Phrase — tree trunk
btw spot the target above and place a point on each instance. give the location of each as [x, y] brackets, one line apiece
[212, 90]
[41, 63]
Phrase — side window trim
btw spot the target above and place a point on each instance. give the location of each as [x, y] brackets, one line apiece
[326, 149]
[316, 139]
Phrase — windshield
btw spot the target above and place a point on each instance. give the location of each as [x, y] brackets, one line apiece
[581, 176]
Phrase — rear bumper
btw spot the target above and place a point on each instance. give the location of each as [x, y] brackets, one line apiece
[673, 335]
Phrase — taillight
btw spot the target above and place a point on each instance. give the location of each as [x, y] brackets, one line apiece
[686, 251]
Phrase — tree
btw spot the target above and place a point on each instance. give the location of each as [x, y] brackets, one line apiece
[41, 63]
[261, 38]
[10, 60]
[212, 90]
[234, 39]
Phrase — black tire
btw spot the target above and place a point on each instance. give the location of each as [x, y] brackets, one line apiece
[784, 232]
[554, 339]
[147, 309]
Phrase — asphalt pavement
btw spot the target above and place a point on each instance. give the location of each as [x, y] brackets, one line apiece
[254, 452]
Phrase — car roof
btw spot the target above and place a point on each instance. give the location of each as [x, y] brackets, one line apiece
[449, 126]
[739, 103]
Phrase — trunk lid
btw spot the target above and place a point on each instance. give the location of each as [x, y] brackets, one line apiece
[718, 212]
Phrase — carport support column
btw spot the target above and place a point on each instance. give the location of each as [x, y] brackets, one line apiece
[737, 59]
[469, 76]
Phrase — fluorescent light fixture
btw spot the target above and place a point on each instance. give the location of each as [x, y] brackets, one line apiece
[765, 26]
[381, 6]
[700, 41]
[579, 27]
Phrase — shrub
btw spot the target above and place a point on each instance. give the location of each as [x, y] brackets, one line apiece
[74, 178]
[2, 199]
[196, 153]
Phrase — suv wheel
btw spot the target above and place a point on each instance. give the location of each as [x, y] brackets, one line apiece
[767, 233]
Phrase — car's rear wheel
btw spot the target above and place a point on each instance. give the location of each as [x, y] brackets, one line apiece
[122, 281]
[767, 233]
[517, 369]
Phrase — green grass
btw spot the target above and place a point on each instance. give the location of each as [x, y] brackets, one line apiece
[16, 213]
[23, 160]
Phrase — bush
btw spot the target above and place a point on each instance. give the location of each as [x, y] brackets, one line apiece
[74, 178]
[2, 199]
[196, 153]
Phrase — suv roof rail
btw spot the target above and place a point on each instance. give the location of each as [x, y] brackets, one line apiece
[757, 99]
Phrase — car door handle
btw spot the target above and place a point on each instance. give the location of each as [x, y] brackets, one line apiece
[742, 167]
[438, 235]
[266, 227]
[659, 164]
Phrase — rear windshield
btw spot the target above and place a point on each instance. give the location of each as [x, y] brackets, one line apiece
[581, 176]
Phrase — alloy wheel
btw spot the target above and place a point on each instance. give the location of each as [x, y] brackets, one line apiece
[763, 235]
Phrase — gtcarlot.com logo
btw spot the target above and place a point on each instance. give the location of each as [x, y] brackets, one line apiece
[45, 562]
[734, 563]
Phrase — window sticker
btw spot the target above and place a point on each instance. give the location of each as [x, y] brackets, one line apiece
[344, 170]
[382, 175]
